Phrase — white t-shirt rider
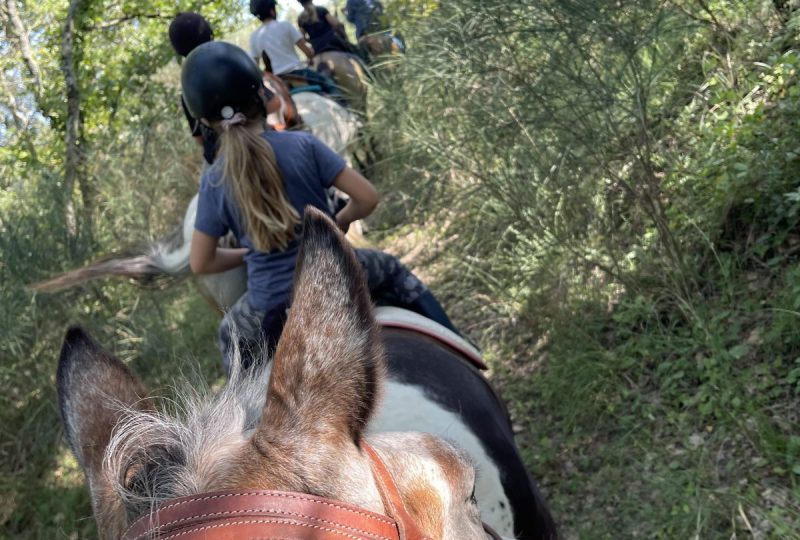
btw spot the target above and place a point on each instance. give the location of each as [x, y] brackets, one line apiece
[277, 39]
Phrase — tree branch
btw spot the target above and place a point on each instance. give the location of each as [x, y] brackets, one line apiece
[127, 18]
[20, 33]
[20, 122]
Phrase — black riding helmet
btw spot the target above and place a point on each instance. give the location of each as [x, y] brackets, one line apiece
[262, 8]
[220, 79]
[187, 31]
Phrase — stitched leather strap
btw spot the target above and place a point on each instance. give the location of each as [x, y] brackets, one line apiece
[261, 514]
[281, 515]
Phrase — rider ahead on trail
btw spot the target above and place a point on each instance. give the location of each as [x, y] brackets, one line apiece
[186, 32]
[258, 189]
[364, 14]
[277, 39]
[323, 30]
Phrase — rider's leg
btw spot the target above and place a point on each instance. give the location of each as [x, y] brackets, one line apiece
[342, 44]
[250, 332]
[272, 326]
[389, 280]
[324, 77]
[428, 306]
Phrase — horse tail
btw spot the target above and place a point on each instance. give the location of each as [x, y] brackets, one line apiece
[160, 264]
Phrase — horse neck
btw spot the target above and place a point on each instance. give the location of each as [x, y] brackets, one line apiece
[445, 377]
[288, 113]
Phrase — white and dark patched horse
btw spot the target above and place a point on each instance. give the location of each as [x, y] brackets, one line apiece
[353, 430]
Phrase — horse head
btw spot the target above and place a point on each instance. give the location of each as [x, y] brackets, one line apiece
[378, 44]
[296, 424]
[349, 73]
[288, 116]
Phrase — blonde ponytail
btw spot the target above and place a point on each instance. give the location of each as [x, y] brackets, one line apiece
[257, 184]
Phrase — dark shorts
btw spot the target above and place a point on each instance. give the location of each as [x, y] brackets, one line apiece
[255, 332]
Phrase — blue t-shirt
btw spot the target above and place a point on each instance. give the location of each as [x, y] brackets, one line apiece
[309, 169]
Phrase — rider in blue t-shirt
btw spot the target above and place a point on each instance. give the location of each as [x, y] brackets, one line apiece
[258, 189]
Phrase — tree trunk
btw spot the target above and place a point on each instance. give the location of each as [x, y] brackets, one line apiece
[73, 169]
[17, 29]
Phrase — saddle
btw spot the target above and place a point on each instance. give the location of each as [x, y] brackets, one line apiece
[395, 317]
[298, 83]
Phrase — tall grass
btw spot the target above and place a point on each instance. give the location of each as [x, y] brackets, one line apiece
[609, 194]
[160, 333]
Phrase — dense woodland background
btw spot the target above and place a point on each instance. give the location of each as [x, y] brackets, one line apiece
[606, 195]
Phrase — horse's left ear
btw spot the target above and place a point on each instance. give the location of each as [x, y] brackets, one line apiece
[267, 62]
[329, 361]
[94, 388]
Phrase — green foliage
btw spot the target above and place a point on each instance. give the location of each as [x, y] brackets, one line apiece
[612, 191]
[138, 170]
[621, 182]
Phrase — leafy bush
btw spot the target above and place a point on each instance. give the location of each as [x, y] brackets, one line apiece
[620, 182]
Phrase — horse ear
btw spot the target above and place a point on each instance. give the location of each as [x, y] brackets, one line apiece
[267, 62]
[329, 361]
[93, 389]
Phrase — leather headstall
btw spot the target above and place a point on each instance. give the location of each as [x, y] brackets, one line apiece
[266, 515]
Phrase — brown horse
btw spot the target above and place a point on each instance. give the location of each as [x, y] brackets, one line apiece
[380, 44]
[349, 74]
[306, 446]
[287, 116]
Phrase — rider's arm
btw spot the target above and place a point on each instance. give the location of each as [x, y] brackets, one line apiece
[205, 257]
[304, 46]
[363, 197]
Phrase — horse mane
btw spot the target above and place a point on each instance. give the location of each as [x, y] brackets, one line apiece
[184, 448]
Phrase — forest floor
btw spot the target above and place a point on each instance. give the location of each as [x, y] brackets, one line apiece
[615, 456]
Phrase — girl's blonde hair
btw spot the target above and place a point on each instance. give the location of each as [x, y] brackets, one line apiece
[252, 172]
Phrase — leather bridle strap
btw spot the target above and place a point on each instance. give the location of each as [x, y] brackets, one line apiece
[228, 515]
[262, 514]
[392, 501]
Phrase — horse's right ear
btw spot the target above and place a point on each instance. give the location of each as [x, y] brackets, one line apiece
[329, 361]
[94, 388]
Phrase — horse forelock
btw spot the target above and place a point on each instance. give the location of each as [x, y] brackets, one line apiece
[184, 448]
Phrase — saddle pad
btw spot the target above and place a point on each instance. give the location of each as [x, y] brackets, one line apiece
[317, 89]
[394, 317]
